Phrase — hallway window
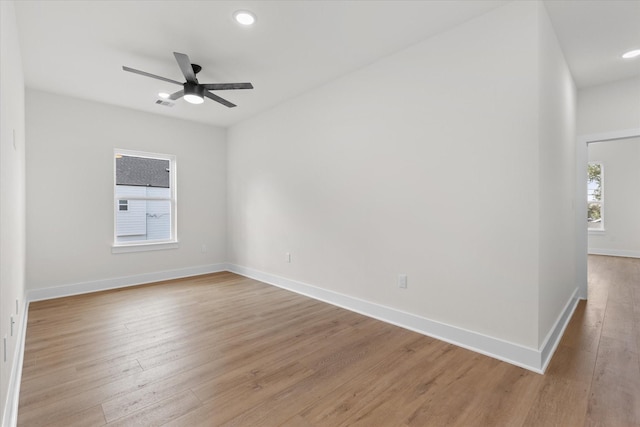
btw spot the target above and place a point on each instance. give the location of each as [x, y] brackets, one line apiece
[595, 207]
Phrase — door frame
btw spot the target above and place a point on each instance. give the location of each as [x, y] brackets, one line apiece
[582, 159]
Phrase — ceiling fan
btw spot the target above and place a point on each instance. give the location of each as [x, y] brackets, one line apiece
[192, 91]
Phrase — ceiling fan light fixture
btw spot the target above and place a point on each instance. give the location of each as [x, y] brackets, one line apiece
[631, 54]
[193, 99]
[244, 17]
[193, 93]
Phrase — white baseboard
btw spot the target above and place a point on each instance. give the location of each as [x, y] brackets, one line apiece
[532, 359]
[121, 282]
[554, 336]
[10, 416]
[529, 358]
[614, 252]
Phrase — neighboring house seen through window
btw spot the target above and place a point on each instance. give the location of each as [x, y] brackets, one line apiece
[145, 202]
[595, 197]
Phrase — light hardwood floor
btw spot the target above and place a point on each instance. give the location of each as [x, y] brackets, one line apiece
[225, 350]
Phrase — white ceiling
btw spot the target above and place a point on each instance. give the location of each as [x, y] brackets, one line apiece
[78, 48]
[594, 34]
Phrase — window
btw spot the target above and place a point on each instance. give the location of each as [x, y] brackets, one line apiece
[145, 201]
[595, 200]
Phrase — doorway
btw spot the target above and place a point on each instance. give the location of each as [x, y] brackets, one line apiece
[581, 204]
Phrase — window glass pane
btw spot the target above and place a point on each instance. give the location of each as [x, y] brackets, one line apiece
[129, 191]
[132, 224]
[594, 215]
[139, 179]
[132, 192]
[158, 219]
[594, 196]
[591, 193]
[159, 192]
[140, 171]
[144, 220]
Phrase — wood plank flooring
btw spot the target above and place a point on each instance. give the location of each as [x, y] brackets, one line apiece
[223, 350]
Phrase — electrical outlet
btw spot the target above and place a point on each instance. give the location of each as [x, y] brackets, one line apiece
[402, 281]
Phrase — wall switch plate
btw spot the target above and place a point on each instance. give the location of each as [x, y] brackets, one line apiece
[203, 248]
[287, 257]
[402, 281]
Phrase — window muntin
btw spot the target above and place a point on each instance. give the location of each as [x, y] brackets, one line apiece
[595, 196]
[145, 199]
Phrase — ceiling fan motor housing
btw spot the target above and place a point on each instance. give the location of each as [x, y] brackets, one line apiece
[193, 89]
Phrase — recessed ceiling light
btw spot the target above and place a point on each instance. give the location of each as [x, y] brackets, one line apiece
[244, 17]
[163, 95]
[631, 54]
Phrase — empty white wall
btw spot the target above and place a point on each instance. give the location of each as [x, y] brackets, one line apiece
[12, 205]
[428, 163]
[621, 161]
[70, 190]
[557, 142]
[610, 107]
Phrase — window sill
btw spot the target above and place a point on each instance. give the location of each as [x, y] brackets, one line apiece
[143, 247]
[596, 231]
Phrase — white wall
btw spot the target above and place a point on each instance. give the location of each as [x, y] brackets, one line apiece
[621, 161]
[610, 107]
[12, 205]
[70, 190]
[557, 166]
[428, 163]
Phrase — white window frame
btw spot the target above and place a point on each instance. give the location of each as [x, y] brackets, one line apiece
[600, 229]
[147, 245]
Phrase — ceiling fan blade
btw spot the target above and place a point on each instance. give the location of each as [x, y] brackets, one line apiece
[178, 94]
[185, 66]
[226, 86]
[218, 99]
[143, 73]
